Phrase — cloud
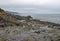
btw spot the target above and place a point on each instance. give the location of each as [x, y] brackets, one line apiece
[37, 2]
[36, 6]
[32, 2]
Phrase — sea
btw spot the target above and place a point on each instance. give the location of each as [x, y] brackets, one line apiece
[55, 18]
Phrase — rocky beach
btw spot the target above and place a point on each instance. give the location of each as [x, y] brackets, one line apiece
[26, 28]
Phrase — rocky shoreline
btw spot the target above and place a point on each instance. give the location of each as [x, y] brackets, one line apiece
[25, 28]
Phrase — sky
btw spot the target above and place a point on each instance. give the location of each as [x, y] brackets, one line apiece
[31, 6]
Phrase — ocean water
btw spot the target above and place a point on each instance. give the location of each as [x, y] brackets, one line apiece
[55, 18]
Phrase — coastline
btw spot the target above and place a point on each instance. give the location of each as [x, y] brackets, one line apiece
[26, 28]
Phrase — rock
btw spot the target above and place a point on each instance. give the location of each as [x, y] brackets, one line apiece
[2, 39]
[58, 40]
[38, 32]
[2, 13]
[29, 39]
[15, 32]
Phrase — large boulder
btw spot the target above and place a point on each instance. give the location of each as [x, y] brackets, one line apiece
[2, 13]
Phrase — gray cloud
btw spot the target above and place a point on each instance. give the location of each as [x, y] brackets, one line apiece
[30, 8]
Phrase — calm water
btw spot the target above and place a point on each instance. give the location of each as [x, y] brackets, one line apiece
[48, 17]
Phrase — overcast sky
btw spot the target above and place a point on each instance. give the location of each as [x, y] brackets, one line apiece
[31, 6]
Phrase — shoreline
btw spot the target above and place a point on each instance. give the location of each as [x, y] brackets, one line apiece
[26, 28]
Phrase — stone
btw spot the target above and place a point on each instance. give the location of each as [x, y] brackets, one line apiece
[2, 39]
